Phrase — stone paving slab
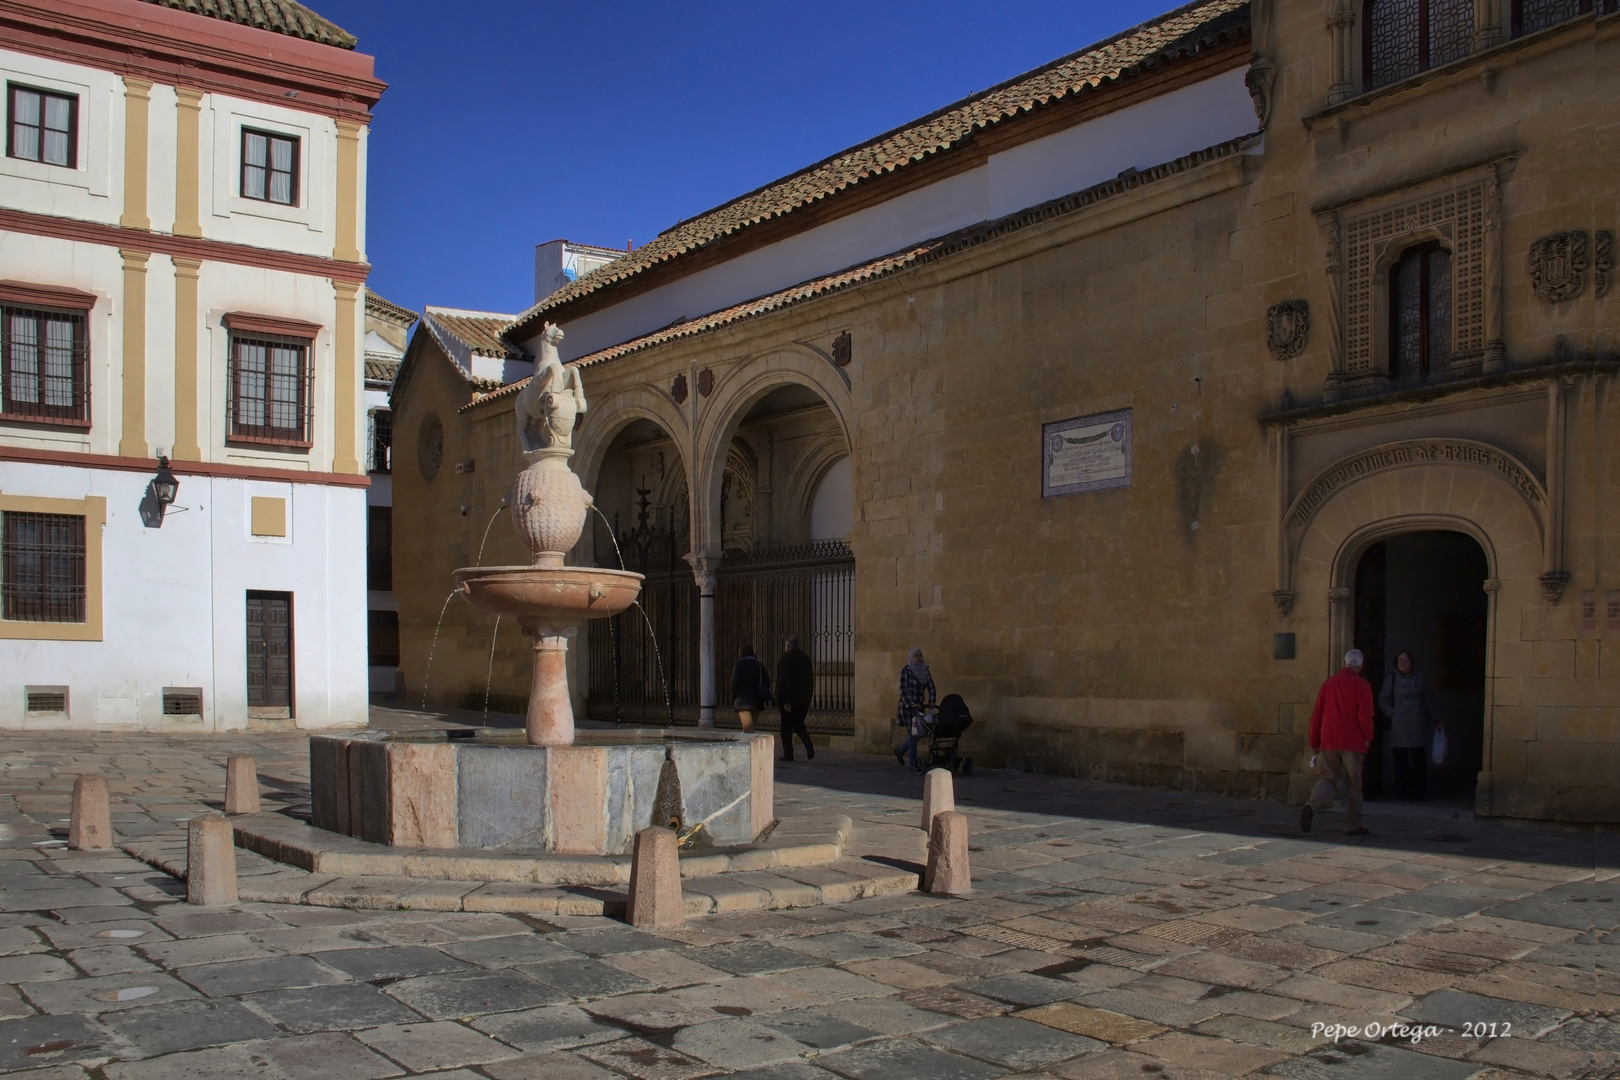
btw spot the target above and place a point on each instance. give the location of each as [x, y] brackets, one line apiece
[1114, 932]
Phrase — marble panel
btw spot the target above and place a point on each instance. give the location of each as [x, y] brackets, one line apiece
[324, 754]
[422, 794]
[576, 797]
[370, 794]
[501, 797]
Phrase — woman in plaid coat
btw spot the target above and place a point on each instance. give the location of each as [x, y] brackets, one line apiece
[916, 690]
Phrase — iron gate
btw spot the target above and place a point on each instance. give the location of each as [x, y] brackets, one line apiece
[761, 597]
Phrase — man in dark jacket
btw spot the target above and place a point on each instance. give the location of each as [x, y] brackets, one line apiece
[1341, 728]
[795, 686]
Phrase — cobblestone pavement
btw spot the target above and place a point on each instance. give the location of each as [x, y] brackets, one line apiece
[1115, 932]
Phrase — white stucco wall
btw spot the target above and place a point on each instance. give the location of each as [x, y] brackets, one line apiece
[95, 190]
[1140, 136]
[174, 607]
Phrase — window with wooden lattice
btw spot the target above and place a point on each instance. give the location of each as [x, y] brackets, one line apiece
[1400, 38]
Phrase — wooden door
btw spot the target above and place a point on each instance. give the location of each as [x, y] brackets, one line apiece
[269, 651]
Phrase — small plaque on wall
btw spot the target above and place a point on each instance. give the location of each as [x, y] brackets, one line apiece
[1088, 453]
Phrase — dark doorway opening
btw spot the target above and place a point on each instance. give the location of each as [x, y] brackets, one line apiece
[269, 655]
[1423, 592]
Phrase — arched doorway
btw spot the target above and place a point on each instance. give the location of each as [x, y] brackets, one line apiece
[1422, 592]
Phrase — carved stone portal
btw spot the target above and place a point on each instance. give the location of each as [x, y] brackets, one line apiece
[1557, 263]
[1287, 325]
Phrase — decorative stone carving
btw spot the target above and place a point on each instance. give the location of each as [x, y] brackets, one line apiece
[1338, 595]
[1415, 452]
[553, 399]
[1457, 211]
[677, 389]
[1492, 586]
[1288, 323]
[1284, 599]
[1260, 80]
[842, 350]
[1602, 261]
[1557, 263]
[706, 382]
[1552, 586]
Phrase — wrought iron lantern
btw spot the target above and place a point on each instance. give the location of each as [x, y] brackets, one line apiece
[164, 485]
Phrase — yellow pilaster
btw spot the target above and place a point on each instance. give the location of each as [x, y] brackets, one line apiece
[188, 116]
[133, 441]
[137, 114]
[346, 381]
[347, 247]
[186, 444]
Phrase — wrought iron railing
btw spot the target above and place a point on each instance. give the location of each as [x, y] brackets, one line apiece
[644, 665]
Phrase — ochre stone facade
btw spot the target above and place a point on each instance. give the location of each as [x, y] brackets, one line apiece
[1141, 633]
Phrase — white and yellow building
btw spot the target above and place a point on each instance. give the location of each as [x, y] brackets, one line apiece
[182, 277]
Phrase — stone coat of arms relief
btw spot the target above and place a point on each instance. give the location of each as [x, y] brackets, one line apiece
[1558, 266]
[1288, 323]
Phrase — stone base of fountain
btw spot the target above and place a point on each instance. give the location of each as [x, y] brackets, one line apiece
[493, 792]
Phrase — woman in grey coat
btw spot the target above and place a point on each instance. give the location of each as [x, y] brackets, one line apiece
[1409, 703]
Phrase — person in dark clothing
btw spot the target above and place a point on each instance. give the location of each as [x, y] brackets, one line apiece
[916, 692]
[795, 686]
[1409, 703]
[750, 687]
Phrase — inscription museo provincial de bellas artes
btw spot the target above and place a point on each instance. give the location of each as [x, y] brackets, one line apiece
[1423, 452]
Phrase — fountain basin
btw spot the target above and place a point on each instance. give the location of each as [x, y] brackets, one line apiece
[494, 792]
[553, 598]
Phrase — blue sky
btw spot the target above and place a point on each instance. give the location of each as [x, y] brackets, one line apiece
[510, 123]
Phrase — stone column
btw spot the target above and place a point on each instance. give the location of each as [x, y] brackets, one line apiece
[1489, 25]
[137, 124]
[188, 157]
[704, 567]
[1341, 21]
[550, 720]
[1495, 347]
[346, 380]
[132, 443]
[1553, 574]
[187, 444]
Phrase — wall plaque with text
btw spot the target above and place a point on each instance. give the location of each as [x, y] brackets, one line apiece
[1088, 453]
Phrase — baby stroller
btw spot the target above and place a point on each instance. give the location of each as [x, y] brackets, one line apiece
[943, 729]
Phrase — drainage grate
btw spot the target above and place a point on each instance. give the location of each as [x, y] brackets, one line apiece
[1192, 932]
[47, 700]
[1008, 936]
[182, 701]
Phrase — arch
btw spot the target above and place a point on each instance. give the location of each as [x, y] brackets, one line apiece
[604, 420]
[1452, 498]
[735, 393]
[806, 474]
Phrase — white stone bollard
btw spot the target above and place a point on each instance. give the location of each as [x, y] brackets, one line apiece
[948, 871]
[210, 861]
[655, 881]
[241, 785]
[91, 829]
[939, 795]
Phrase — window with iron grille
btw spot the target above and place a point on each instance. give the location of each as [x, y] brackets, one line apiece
[46, 699]
[44, 366]
[1403, 37]
[42, 126]
[182, 701]
[1532, 15]
[381, 442]
[270, 399]
[42, 567]
[1420, 312]
[269, 167]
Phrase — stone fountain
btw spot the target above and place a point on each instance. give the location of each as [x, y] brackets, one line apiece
[548, 507]
[555, 791]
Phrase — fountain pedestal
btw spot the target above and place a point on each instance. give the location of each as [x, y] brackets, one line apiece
[549, 600]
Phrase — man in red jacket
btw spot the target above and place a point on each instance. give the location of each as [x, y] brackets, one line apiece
[1341, 729]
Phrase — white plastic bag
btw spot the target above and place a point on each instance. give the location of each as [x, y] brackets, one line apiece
[1437, 753]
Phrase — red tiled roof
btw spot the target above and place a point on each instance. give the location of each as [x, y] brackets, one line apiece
[388, 310]
[277, 16]
[1184, 31]
[915, 255]
[480, 331]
